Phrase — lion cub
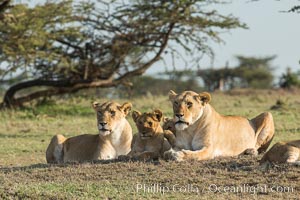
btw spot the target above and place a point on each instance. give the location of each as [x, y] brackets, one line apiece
[283, 152]
[150, 141]
[169, 124]
[114, 138]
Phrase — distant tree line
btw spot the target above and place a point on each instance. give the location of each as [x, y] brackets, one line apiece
[250, 72]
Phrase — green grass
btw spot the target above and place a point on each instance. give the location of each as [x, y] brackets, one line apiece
[25, 134]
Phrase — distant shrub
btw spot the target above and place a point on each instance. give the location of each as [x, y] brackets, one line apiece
[289, 79]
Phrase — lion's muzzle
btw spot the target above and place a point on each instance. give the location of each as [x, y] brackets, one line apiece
[145, 135]
[103, 128]
[179, 119]
[181, 124]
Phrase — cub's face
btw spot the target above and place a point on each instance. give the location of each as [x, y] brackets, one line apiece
[110, 116]
[148, 124]
[169, 124]
[188, 107]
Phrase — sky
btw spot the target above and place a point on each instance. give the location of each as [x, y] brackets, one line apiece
[271, 32]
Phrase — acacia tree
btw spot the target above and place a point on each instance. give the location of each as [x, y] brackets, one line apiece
[294, 8]
[255, 72]
[289, 79]
[62, 46]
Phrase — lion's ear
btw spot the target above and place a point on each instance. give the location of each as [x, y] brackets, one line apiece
[172, 95]
[166, 119]
[158, 114]
[205, 97]
[135, 115]
[126, 107]
[95, 105]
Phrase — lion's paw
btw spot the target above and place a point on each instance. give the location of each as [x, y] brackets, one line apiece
[174, 155]
[124, 157]
[250, 151]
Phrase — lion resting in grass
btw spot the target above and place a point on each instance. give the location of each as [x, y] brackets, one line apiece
[114, 138]
[283, 152]
[202, 133]
[150, 141]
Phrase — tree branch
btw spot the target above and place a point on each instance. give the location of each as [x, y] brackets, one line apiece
[4, 5]
[142, 69]
[58, 87]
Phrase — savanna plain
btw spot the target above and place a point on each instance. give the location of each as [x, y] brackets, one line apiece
[25, 134]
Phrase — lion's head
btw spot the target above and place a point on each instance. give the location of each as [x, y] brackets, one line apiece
[169, 124]
[110, 116]
[148, 124]
[188, 107]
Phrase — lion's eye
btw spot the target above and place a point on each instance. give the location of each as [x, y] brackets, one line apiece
[150, 123]
[176, 103]
[99, 113]
[112, 113]
[189, 104]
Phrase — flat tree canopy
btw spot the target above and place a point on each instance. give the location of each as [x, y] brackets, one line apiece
[64, 46]
[251, 72]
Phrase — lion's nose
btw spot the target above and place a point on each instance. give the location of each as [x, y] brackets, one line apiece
[102, 123]
[179, 115]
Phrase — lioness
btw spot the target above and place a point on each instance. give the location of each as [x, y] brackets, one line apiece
[149, 142]
[283, 152]
[114, 138]
[202, 133]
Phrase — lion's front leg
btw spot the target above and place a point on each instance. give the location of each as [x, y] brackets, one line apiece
[130, 155]
[147, 155]
[126, 157]
[181, 155]
[136, 148]
[170, 137]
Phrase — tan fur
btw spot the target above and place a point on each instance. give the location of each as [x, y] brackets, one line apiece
[169, 130]
[169, 124]
[202, 133]
[283, 152]
[114, 138]
[149, 142]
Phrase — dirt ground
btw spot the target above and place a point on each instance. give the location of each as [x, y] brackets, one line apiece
[224, 178]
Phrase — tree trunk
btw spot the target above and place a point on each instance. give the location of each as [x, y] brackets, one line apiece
[4, 5]
[56, 88]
